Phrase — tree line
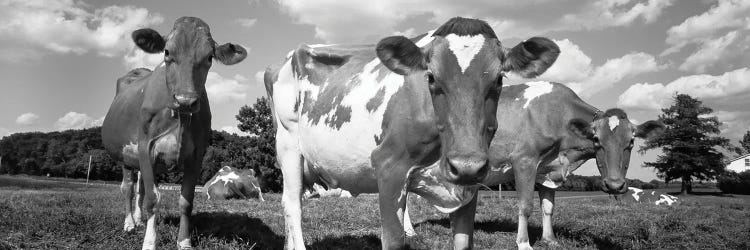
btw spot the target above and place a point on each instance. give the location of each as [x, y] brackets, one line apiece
[66, 153]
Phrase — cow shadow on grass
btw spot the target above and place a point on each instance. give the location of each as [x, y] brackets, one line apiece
[232, 227]
[369, 241]
[535, 231]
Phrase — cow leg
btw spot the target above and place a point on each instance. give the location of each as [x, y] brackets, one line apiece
[547, 201]
[525, 172]
[392, 201]
[407, 222]
[126, 189]
[151, 191]
[462, 223]
[290, 161]
[139, 194]
[187, 193]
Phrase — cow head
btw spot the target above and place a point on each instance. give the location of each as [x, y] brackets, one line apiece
[463, 66]
[188, 53]
[612, 136]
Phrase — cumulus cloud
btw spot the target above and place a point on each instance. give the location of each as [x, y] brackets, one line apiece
[27, 119]
[68, 26]
[721, 35]
[234, 130]
[221, 89]
[137, 58]
[729, 91]
[518, 19]
[247, 22]
[75, 120]
[574, 69]
[259, 77]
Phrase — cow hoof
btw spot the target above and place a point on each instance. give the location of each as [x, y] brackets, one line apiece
[129, 228]
[185, 245]
[525, 246]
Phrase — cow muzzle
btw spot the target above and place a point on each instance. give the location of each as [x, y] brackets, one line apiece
[614, 186]
[466, 169]
[186, 103]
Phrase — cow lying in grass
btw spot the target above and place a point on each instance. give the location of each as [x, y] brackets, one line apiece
[647, 196]
[233, 183]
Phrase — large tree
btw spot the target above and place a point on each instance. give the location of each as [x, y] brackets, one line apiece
[258, 121]
[689, 143]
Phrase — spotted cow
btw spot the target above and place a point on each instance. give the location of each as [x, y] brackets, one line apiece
[160, 120]
[233, 183]
[371, 119]
[647, 196]
[547, 132]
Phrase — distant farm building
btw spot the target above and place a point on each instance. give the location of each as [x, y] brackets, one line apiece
[739, 164]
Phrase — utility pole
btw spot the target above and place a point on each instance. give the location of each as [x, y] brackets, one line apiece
[89, 171]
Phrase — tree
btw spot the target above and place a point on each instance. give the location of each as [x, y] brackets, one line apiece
[687, 143]
[745, 142]
[258, 121]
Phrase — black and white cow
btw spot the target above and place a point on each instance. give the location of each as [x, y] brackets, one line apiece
[547, 132]
[371, 119]
[233, 183]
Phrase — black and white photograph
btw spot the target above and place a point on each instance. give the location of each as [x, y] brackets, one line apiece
[374, 124]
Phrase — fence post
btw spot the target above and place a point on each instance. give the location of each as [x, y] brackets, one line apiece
[89, 171]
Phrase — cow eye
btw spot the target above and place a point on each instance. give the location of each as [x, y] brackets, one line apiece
[434, 88]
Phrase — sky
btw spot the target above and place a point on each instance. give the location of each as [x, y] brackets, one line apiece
[59, 60]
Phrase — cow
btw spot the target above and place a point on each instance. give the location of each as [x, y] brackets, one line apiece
[371, 119]
[548, 132]
[318, 191]
[231, 183]
[645, 196]
[160, 120]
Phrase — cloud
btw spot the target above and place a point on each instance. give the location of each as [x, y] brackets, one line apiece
[729, 91]
[75, 120]
[222, 90]
[234, 130]
[518, 19]
[27, 119]
[20, 56]
[721, 34]
[137, 58]
[259, 76]
[574, 69]
[247, 22]
[68, 26]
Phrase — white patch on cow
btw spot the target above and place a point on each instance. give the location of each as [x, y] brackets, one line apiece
[547, 182]
[226, 178]
[167, 144]
[465, 48]
[536, 89]
[653, 192]
[636, 193]
[312, 46]
[613, 122]
[289, 54]
[426, 39]
[445, 197]
[665, 199]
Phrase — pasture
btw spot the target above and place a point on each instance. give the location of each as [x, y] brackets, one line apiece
[42, 214]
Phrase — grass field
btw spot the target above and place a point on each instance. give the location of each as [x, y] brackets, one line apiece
[41, 214]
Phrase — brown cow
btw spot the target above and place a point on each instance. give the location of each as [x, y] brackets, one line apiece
[160, 120]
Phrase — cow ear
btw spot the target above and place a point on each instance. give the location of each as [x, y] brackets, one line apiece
[581, 128]
[649, 129]
[229, 53]
[148, 40]
[251, 171]
[400, 55]
[532, 57]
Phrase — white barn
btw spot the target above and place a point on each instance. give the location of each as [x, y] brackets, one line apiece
[739, 164]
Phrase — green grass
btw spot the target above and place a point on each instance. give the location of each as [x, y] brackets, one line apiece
[40, 214]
